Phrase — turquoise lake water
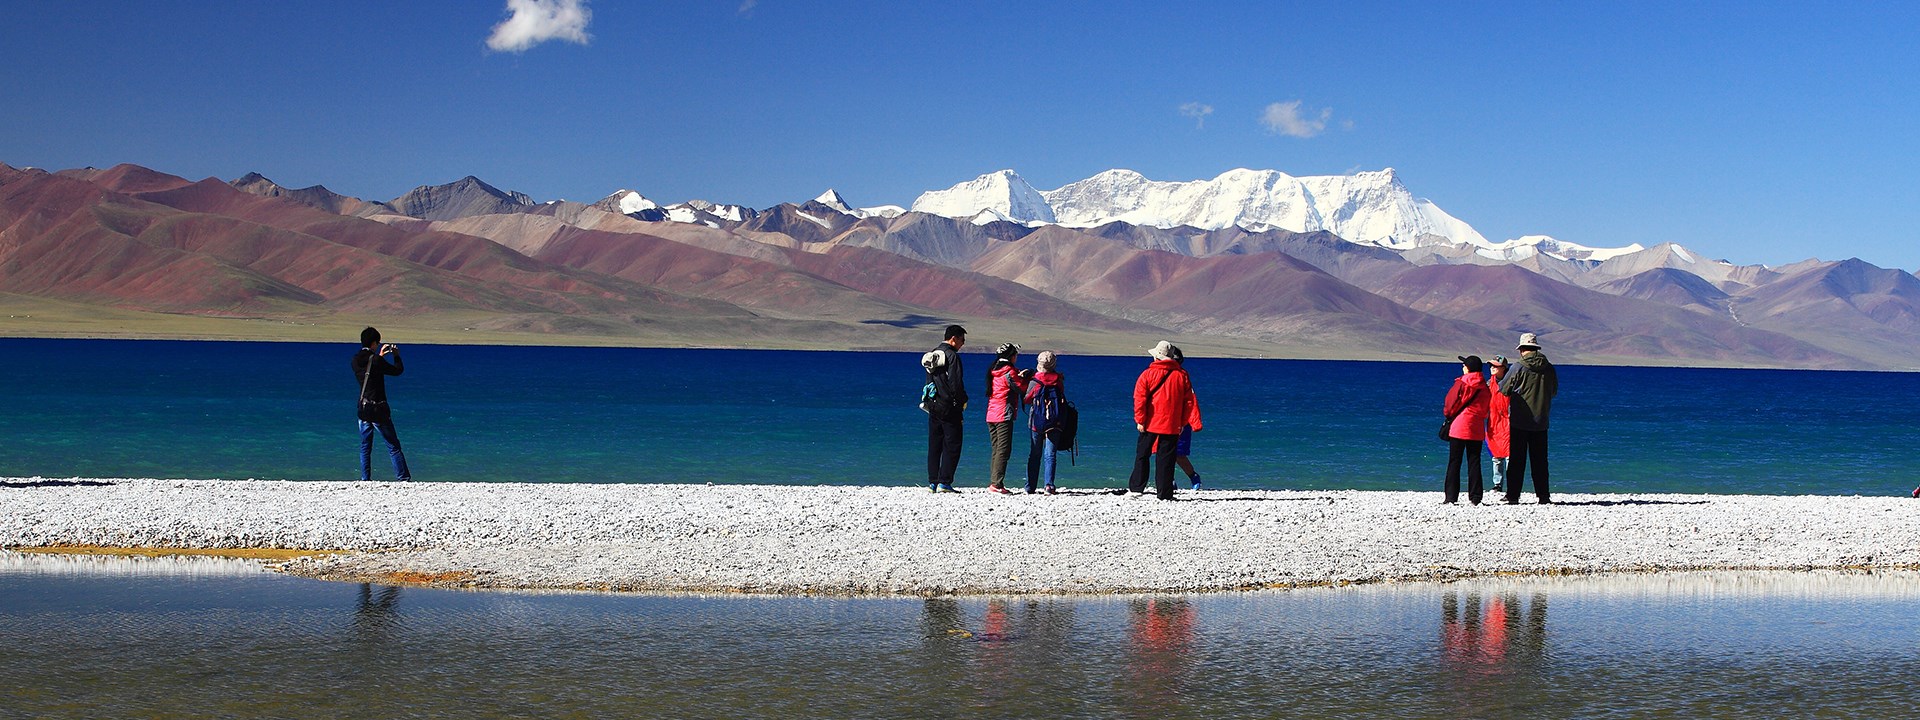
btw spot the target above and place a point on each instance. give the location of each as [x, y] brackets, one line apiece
[197, 638]
[102, 408]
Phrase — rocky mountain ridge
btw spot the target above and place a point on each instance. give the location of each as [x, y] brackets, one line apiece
[824, 269]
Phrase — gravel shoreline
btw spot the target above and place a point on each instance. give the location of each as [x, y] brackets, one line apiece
[902, 540]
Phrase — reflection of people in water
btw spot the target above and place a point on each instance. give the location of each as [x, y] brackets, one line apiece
[375, 615]
[1491, 638]
[1160, 635]
[1015, 651]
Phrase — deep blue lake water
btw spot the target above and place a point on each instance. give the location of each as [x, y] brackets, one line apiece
[104, 408]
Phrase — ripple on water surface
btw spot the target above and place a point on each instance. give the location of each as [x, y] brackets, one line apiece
[191, 637]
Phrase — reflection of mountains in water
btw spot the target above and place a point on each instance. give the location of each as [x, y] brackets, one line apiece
[467, 256]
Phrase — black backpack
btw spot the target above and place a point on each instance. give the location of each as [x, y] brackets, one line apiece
[1052, 412]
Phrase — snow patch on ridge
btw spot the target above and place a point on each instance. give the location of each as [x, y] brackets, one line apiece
[633, 202]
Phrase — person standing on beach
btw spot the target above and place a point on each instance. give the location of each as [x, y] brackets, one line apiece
[944, 426]
[1498, 427]
[1046, 395]
[1163, 401]
[371, 366]
[1183, 450]
[1466, 410]
[1529, 388]
[1006, 385]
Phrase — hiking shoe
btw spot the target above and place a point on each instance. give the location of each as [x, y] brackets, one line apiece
[1051, 491]
[1195, 479]
[1000, 489]
[945, 488]
[1916, 492]
[933, 487]
[1498, 488]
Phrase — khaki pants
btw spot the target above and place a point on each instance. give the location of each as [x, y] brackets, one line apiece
[1002, 434]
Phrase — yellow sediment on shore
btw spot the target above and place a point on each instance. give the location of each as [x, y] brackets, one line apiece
[242, 553]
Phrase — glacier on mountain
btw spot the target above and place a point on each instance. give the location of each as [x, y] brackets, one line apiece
[1368, 208]
[1005, 193]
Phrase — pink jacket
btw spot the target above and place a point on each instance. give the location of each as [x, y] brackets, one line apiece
[1007, 385]
[1467, 403]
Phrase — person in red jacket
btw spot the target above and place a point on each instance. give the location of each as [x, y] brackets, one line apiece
[1499, 422]
[1466, 409]
[1163, 402]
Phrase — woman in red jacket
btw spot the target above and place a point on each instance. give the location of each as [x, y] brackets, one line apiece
[1466, 410]
[1499, 422]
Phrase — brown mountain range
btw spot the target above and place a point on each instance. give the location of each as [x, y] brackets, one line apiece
[469, 258]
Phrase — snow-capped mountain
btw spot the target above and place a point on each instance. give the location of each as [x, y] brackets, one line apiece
[1370, 208]
[1002, 195]
[832, 198]
[1523, 247]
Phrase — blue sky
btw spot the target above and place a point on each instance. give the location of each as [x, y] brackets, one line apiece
[1755, 132]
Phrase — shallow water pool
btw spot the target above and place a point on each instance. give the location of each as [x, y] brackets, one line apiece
[88, 637]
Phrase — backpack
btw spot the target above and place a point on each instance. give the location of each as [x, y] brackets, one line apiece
[1052, 413]
[1044, 413]
[931, 400]
[1066, 434]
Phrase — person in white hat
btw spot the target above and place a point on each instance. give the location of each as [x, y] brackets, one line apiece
[1163, 402]
[1529, 389]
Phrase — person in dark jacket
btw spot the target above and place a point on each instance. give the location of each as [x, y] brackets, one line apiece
[944, 426]
[1466, 412]
[1529, 388]
[371, 366]
[1163, 402]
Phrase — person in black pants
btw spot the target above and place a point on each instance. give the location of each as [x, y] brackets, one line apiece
[944, 424]
[1529, 388]
[371, 366]
[1163, 402]
[1466, 411]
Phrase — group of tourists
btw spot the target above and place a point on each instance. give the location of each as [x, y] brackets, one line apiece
[1507, 408]
[1165, 412]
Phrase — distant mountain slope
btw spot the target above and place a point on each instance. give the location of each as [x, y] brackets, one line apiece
[821, 273]
[1594, 324]
[317, 196]
[1671, 287]
[1270, 297]
[1849, 306]
[460, 198]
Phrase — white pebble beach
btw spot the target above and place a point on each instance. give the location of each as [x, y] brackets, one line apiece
[905, 540]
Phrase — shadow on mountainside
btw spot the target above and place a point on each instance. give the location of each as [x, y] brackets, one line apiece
[54, 483]
[909, 322]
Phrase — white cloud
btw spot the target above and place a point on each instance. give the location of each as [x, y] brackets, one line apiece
[1285, 118]
[746, 7]
[531, 22]
[1197, 111]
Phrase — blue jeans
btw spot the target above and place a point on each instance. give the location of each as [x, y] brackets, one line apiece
[1041, 461]
[393, 447]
